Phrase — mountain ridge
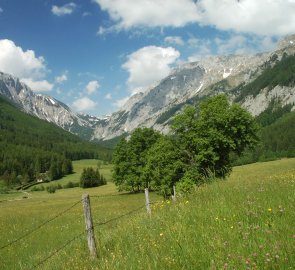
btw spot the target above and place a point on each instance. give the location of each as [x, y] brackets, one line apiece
[186, 84]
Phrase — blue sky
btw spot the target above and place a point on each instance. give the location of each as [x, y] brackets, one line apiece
[94, 54]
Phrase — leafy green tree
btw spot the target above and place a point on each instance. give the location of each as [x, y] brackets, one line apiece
[164, 166]
[206, 139]
[91, 178]
[120, 164]
[129, 159]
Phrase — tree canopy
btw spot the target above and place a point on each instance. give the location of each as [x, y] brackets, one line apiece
[199, 147]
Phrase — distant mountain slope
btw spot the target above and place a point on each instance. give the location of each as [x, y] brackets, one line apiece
[29, 146]
[45, 107]
[233, 75]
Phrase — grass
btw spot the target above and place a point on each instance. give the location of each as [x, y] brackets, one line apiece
[245, 222]
[78, 166]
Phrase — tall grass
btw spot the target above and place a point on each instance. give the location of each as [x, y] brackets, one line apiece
[244, 222]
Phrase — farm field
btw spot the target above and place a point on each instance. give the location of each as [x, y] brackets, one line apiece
[244, 222]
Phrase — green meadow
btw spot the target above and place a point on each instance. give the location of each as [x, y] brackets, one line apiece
[244, 222]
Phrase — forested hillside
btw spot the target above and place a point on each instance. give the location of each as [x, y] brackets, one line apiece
[282, 74]
[277, 129]
[29, 147]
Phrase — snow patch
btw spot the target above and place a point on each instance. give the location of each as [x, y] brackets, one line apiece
[226, 74]
[52, 101]
[199, 88]
[292, 42]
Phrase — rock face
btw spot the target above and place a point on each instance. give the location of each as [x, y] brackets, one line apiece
[155, 107]
[192, 81]
[42, 106]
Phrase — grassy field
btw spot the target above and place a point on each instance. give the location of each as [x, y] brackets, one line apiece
[79, 165]
[244, 222]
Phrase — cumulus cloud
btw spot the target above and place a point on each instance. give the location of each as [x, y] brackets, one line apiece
[263, 17]
[151, 13]
[40, 86]
[121, 102]
[24, 65]
[66, 9]
[92, 87]
[20, 63]
[83, 104]
[147, 65]
[174, 40]
[62, 78]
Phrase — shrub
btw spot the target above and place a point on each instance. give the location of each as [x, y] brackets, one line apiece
[51, 189]
[91, 178]
[71, 185]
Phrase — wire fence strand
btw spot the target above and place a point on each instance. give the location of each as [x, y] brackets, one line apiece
[118, 217]
[57, 251]
[79, 235]
[41, 262]
[38, 227]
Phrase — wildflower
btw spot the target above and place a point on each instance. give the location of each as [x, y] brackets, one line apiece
[269, 209]
[231, 227]
[186, 202]
[161, 234]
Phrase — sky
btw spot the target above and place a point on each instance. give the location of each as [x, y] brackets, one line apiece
[94, 54]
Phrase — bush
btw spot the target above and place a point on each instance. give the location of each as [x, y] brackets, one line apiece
[51, 189]
[91, 178]
[38, 188]
[71, 185]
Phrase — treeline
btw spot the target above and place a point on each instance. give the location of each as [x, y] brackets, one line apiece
[277, 139]
[30, 147]
[199, 148]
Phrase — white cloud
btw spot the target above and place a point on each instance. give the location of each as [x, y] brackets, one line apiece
[40, 86]
[108, 96]
[234, 44]
[150, 13]
[121, 102]
[62, 78]
[83, 104]
[24, 65]
[263, 17]
[92, 87]
[148, 65]
[174, 40]
[64, 10]
[240, 44]
[1, 10]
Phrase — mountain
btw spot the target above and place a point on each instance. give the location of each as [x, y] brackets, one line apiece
[234, 75]
[45, 107]
[193, 82]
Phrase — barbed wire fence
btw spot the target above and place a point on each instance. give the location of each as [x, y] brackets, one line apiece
[78, 236]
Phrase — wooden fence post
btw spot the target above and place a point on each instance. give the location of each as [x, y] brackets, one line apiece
[147, 200]
[174, 194]
[89, 225]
